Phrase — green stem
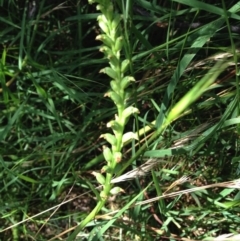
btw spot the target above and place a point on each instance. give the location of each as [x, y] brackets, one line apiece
[89, 218]
[95, 211]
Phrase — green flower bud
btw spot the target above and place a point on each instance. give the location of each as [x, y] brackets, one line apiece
[109, 138]
[105, 39]
[116, 190]
[100, 178]
[115, 22]
[110, 72]
[126, 81]
[129, 111]
[99, 7]
[116, 127]
[115, 97]
[115, 86]
[108, 11]
[114, 62]
[124, 65]
[129, 136]
[118, 44]
[103, 24]
[107, 153]
[117, 157]
[106, 50]
[102, 17]
[128, 94]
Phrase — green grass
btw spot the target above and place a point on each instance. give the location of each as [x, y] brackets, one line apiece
[53, 111]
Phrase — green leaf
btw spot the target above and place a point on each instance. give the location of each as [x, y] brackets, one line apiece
[27, 179]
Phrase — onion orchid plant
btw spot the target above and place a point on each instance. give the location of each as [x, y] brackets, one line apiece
[111, 36]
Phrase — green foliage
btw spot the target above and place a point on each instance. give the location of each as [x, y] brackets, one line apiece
[164, 99]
